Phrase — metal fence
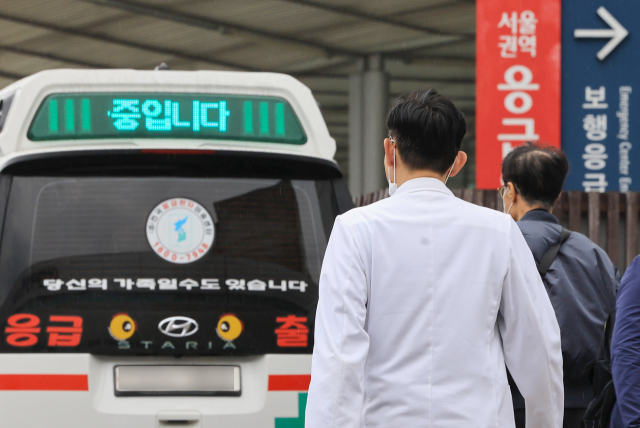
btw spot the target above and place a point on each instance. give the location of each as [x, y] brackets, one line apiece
[611, 220]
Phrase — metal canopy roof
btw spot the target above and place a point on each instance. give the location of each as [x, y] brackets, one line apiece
[425, 43]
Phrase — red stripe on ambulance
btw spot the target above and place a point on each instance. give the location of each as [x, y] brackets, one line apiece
[43, 382]
[289, 382]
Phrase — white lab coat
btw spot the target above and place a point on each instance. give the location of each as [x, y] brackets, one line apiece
[423, 298]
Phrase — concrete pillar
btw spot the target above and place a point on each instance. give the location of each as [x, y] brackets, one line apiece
[356, 81]
[376, 105]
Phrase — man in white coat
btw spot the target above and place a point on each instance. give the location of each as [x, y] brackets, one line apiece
[425, 297]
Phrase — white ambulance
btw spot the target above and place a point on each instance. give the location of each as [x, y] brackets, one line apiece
[162, 234]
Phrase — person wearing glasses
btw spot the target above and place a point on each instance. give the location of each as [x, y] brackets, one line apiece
[578, 275]
[424, 297]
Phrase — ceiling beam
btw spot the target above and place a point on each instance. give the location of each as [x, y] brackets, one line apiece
[11, 75]
[467, 114]
[345, 108]
[324, 67]
[52, 57]
[410, 58]
[122, 42]
[220, 26]
[426, 49]
[348, 11]
[338, 93]
[454, 80]
[429, 8]
[345, 122]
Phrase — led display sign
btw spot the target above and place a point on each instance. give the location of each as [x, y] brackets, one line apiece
[166, 115]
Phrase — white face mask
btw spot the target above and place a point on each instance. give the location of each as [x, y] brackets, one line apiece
[450, 169]
[507, 212]
[392, 186]
[503, 204]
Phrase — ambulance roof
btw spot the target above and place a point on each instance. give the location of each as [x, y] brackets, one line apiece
[27, 95]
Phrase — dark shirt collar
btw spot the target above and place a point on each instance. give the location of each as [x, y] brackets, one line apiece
[540, 214]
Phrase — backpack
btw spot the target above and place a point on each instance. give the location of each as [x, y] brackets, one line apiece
[598, 413]
[578, 362]
[543, 268]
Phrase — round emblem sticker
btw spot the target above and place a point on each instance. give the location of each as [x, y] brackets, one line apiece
[180, 230]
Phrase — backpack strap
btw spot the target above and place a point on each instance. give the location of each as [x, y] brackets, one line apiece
[551, 253]
[608, 337]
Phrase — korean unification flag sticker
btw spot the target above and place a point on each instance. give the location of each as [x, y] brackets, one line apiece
[180, 230]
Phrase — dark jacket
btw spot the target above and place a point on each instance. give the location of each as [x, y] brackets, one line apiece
[581, 282]
[625, 350]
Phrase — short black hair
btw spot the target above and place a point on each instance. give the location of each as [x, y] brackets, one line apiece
[428, 130]
[537, 173]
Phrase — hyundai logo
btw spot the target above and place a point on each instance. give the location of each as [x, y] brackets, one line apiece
[178, 326]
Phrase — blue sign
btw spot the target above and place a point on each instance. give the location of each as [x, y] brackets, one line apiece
[600, 84]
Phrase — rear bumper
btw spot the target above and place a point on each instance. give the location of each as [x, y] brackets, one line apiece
[69, 390]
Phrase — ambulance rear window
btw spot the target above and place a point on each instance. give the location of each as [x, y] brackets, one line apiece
[82, 248]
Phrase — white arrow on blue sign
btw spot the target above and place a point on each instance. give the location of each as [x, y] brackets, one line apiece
[616, 33]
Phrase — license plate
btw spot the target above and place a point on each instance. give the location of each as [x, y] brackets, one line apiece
[177, 380]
